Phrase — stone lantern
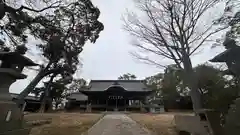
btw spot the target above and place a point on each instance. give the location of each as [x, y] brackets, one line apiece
[11, 66]
[231, 57]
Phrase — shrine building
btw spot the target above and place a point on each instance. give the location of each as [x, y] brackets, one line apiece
[111, 95]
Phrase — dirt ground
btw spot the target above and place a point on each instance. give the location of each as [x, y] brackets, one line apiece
[159, 124]
[63, 123]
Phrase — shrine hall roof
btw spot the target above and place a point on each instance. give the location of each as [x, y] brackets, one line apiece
[77, 96]
[128, 85]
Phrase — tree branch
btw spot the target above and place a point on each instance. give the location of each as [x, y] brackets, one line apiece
[148, 61]
[41, 10]
[205, 38]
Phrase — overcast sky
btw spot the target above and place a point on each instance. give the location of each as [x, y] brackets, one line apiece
[109, 57]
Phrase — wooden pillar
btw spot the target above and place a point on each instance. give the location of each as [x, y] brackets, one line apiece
[106, 104]
[124, 101]
[115, 108]
[125, 105]
[89, 107]
[141, 106]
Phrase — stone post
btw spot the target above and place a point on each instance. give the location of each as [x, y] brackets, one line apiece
[116, 107]
[89, 108]
[11, 116]
[106, 104]
[142, 109]
[232, 119]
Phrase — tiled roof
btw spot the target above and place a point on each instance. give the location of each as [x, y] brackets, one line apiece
[78, 96]
[128, 85]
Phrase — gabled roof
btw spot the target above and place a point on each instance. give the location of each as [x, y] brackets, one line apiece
[128, 85]
[78, 96]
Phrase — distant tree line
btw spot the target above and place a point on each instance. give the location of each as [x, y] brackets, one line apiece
[127, 76]
[218, 91]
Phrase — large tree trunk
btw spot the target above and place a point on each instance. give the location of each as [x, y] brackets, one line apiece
[43, 104]
[41, 74]
[30, 87]
[192, 81]
[46, 96]
[46, 105]
[50, 105]
[56, 105]
[194, 93]
[58, 102]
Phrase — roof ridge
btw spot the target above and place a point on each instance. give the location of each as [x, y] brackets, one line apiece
[116, 80]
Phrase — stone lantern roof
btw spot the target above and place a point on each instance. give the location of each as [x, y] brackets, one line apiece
[16, 58]
[13, 63]
[222, 57]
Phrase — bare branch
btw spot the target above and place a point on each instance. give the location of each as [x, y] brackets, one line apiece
[170, 29]
[162, 39]
[14, 41]
[53, 5]
[147, 60]
[205, 39]
[34, 69]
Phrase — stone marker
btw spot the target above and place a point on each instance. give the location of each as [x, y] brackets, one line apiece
[11, 116]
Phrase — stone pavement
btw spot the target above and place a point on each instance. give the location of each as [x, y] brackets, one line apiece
[117, 124]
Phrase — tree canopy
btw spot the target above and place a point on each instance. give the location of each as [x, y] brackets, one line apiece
[76, 85]
[127, 76]
[218, 91]
[73, 22]
[60, 27]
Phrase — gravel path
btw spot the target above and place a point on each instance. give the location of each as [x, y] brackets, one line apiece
[117, 124]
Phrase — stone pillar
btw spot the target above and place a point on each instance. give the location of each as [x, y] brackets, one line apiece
[89, 108]
[106, 104]
[142, 109]
[232, 119]
[127, 104]
[11, 117]
[116, 107]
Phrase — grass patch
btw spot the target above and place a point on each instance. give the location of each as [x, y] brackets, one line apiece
[159, 124]
[63, 123]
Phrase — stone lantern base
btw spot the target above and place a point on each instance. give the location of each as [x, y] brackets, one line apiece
[232, 119]
[11, 119]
